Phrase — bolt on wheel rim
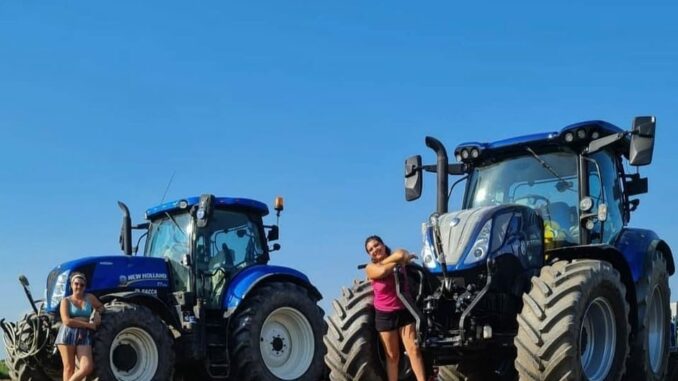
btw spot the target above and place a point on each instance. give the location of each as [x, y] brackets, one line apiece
[598, 339]
[286, 343]
[656, 330]
[138, 343]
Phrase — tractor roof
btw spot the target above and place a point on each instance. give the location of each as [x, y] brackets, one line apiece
[219, 202]
[589, 130]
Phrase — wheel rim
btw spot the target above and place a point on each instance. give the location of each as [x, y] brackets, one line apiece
[656, 330]
[133, 355]
[598, 339]
[286, 343]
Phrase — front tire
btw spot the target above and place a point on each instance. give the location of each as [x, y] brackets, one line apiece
[277, 335]
[23, 361]
[132, 344]
[20, 370]
[354, 352]
[650, 349]
[574, 324]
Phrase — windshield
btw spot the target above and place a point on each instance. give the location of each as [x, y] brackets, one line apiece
[168, 237]
[546, 182]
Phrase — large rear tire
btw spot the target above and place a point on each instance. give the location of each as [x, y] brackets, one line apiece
[650, 348]
[277, 335]
[132, 344]
[353, 348]
[574, 324]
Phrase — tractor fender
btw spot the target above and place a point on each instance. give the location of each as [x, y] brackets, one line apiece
[154, 303]
[249, 278]
[637, 245]
[610, 254]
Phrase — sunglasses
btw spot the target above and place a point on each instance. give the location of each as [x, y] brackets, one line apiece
[79, 284]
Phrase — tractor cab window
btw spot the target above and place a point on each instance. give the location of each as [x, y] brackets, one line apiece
[169, 237]
[547, 183]
[231, 241]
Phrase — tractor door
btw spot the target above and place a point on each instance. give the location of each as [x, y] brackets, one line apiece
[605, 187]
[231, 242]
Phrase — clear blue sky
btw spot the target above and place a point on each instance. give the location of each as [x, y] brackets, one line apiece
[319, 102]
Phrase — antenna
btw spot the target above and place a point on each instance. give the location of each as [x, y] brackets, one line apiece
[168, 186]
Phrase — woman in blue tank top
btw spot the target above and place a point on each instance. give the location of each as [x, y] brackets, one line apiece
[79, 318]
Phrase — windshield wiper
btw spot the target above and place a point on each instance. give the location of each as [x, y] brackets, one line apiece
[563, 184]
[176, 224]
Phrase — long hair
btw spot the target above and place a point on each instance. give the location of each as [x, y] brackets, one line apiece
[378, 239]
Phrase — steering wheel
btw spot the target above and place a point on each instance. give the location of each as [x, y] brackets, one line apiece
[534, 198]
[175, 250]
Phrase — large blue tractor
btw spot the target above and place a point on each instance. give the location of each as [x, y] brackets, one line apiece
[201, 297]
[538, 276]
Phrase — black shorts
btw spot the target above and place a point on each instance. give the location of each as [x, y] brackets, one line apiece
[389, 321]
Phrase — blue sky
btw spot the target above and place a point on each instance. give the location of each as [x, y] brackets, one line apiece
[319, 102]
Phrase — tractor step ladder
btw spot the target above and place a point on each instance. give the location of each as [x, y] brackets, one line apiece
[217, 362]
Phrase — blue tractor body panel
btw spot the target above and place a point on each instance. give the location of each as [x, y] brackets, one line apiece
[256, 206]
[249, 277]
[108, 274]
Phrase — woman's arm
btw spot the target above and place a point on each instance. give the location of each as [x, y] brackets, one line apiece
[96, 304]
[379, 270]
[68, 321]
[384, 268]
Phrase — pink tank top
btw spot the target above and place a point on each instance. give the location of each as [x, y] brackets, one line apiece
[385, 297]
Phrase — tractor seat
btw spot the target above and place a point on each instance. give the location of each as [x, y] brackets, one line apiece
[223, 258]
[565, 218]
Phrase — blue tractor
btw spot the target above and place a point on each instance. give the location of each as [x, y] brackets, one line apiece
[538, 276]
[201, 298]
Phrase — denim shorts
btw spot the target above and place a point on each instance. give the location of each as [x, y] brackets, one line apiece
[73, 336]
[389, 321]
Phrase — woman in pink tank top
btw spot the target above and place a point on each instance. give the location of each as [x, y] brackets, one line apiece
[392, 320]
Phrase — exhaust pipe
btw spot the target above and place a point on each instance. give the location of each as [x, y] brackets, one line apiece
[441, 171]
[125, 230]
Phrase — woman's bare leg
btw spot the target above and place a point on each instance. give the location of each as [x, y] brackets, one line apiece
[67, 353]
[391, 343]
[85, 363]
[408, 333]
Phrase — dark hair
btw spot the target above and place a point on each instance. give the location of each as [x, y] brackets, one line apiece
[78, 275]
[378, 239]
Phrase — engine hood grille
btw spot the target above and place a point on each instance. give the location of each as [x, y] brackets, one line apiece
[458, 229]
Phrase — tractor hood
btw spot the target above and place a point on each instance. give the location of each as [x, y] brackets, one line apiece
[468, 238]
[108, 274]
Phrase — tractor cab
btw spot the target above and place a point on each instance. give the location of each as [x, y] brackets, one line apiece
[573, 178]
[206, 240]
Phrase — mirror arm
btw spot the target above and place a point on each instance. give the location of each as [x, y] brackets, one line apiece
[605, 141]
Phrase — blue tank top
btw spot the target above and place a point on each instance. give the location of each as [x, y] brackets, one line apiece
[74, 311]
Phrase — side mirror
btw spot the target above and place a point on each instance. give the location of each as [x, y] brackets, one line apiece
[413, 177]
[23, 280]
[274, 233]
[642, 140]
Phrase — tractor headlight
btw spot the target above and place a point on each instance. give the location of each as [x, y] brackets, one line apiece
[59, 288]
[481, 246]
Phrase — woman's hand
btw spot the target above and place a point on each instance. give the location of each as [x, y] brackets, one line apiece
[407, 258]
[96, 319]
